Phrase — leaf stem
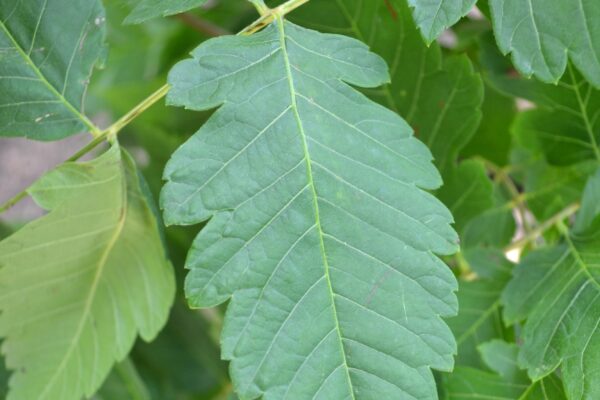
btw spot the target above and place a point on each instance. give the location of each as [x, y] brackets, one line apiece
[136, 111]
[260, 6]
[271, 15]
[517, 198]
[11, 202]
[76, 156]
[539, 230]
[109, 133]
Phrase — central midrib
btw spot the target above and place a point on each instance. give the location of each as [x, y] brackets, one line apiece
[309, 173]
[94, 287]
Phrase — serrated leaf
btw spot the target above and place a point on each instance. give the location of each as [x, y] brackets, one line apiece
[90, 276]
[535, 34]
[440, 99]
[560, 305]
[319, 232]
[47, 52]
[148, 9]
[435, 16]
[565, 125]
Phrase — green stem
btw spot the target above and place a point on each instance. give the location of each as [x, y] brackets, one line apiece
[109, 133]
[260, 6]
[517, 198]
[271, 15]
[11, 202]
[537, 232]
[136, 111]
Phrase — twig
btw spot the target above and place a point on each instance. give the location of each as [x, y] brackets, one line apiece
[539, 230]
[201, 25]
[270, 15]
[517, 199]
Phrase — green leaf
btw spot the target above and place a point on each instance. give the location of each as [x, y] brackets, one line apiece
[183, 361]
[89, 276]
[48, 50]
[509, 382]
[440, 99]
[148, 9]
[549, 388]
[542, 36]
[479, 318]
[123, 382]
[548, 188]
[560, 304]
[492, 139]
[448, 109]
[472, 384]
[565, 126]
[501, 357]
[434, 16]
[320, 231]
[5, 230]
[565, 130]
[467, 192]
[554, 145]
[493, 228]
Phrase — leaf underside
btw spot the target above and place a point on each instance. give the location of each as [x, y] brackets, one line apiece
[320, 231]
[88, 277]
[48, 49]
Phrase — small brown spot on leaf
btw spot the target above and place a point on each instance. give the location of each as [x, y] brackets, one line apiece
[391, 9]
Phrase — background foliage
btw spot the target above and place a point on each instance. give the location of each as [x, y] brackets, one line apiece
[506, 100]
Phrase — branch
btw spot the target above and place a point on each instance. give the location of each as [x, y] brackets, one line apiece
[517, 199]
[202, 26]
[538, 231]
[268, 16]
